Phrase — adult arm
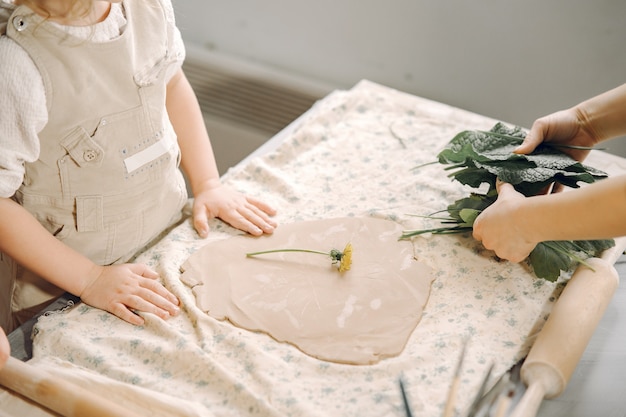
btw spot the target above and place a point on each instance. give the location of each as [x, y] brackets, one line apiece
[592, 121]
[514, 224]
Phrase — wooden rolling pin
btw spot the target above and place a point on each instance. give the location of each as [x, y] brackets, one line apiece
[62, 397]
[565, 335]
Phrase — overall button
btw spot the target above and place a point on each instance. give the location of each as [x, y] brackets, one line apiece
[19, 23]
[90, 155]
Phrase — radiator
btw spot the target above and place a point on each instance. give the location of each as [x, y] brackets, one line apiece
[245, 103]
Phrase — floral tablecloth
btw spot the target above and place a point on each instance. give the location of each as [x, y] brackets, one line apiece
[352, 154]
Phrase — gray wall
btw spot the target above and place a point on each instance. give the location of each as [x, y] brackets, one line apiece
[510, 60]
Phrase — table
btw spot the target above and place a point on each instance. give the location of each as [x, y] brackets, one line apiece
[343, 157]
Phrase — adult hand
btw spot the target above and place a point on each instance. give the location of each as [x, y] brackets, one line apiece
[243, 212]
[5, 348]
[499, 228]
[564, 127]
[122, 289]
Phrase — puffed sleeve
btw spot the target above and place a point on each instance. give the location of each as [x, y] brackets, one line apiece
[23, 114]
[177, 44]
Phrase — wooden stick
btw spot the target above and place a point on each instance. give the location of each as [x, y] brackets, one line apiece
[565, 335]
[62, 397]
[504, 403]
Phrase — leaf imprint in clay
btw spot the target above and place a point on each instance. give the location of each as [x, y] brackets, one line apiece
[358, 316]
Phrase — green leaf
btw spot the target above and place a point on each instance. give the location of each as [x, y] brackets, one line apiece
[515, 132]
[595, 247]
[477, 202]
[474, 177]
[468, 216]
[548, 262]
[479, 157]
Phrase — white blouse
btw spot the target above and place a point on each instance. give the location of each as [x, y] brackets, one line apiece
[23, 111]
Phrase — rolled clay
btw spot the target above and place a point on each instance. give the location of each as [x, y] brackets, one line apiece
[358, 316]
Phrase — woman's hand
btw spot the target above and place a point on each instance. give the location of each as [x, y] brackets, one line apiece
[566, 127]
[240, 211]
[588, 123]
[499, 228]
[123, 289]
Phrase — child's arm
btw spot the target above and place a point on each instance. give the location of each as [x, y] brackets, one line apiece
[5, 348]
[118, 289]
[211, 198]
[514, 224]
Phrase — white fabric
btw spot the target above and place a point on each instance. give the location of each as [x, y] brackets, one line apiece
[23, 115]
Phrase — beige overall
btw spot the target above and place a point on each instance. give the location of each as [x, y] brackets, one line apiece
[107, 179]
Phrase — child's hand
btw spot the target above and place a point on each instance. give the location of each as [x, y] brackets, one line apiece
[5, 348]
[121, 289]
[244, 213]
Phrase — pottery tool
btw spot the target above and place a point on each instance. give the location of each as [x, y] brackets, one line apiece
[62, 397]
[565, 335]
[504, 402]
[405, 399]
[480, 399]
[451, 402]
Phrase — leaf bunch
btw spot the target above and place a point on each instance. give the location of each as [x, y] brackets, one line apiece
[477, 157]
[480, 157]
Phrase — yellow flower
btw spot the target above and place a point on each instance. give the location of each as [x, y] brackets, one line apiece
[343, 258]
[346, 259]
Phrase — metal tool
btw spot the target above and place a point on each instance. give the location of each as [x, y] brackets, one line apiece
[405, 399]
[506, 390]
[451, 401]
[477, 402]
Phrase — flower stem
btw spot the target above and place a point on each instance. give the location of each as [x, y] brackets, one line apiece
[344, 259]
[285, 250]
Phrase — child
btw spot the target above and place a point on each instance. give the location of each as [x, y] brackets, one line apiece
[513, 225]
[5, 348]
[96, 116]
